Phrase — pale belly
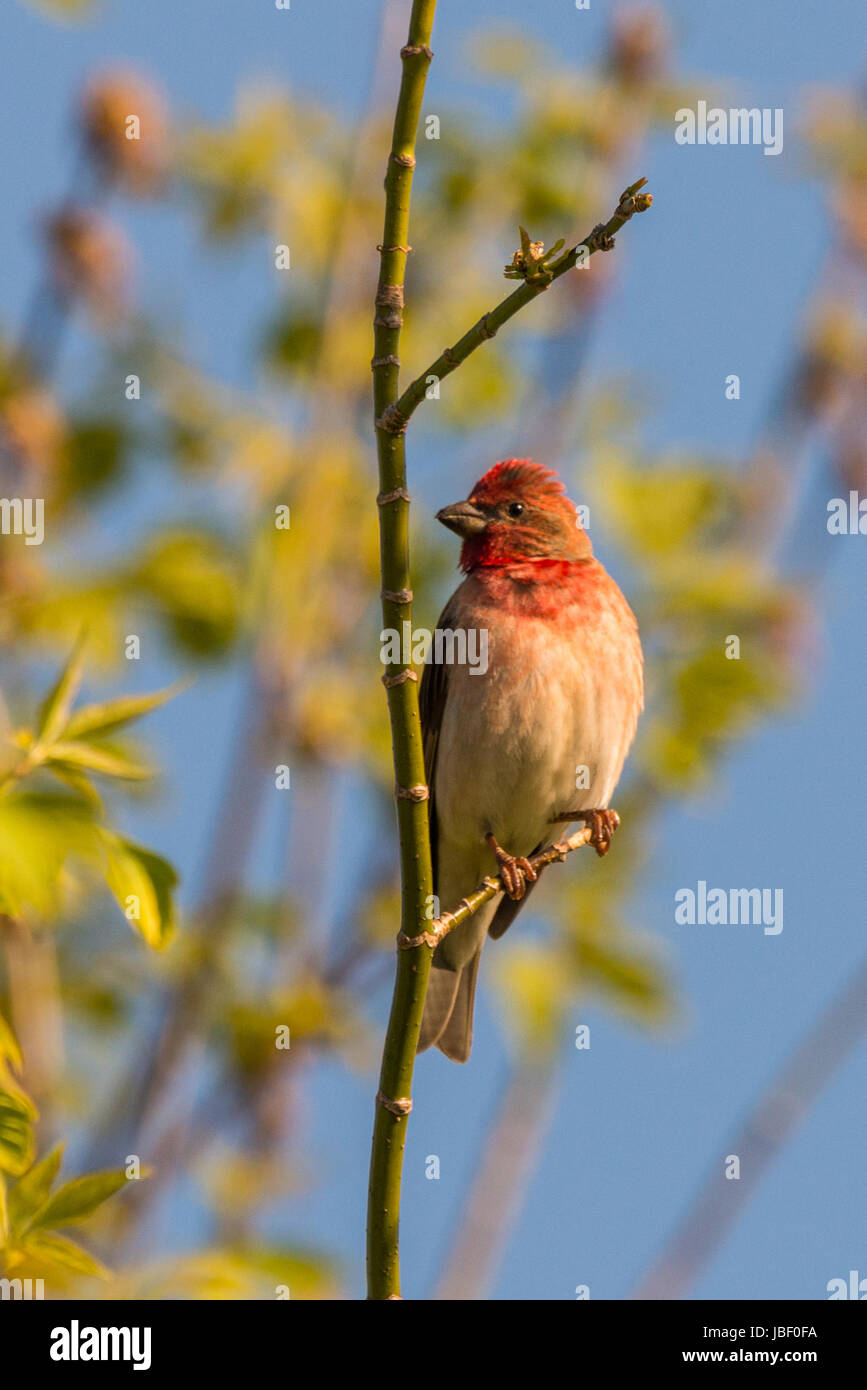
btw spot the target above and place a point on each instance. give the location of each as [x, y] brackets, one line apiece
[544, 731]
[515, 752]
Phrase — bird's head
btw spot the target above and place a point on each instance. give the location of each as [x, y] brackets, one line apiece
[517, 512]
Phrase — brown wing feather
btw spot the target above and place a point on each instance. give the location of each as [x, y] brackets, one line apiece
[432, 697]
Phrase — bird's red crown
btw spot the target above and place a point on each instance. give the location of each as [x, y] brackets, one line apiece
[525, 515]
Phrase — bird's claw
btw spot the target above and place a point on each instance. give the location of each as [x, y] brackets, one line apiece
[602, 823]
[602, 826]
[515, 870]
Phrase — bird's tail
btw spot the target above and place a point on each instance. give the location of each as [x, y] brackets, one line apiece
[448, 1010]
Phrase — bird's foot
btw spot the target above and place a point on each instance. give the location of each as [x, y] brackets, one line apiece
[515, 870]
[603, 824]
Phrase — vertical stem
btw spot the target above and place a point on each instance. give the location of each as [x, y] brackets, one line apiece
[413, 966]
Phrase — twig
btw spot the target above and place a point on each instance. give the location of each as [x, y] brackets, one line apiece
[386, 1161]
[600, 239]
[487, 889]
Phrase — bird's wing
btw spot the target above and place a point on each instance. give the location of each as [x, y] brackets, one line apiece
[432, 697]
[432, 702]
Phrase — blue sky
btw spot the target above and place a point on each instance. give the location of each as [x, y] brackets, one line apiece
[717, 280]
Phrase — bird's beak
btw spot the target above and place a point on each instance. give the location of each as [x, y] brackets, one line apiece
[465, 518]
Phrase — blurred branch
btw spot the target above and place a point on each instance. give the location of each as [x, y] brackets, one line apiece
[347, 271]
[48, 312]
[760, 1138]
[233, 833]
[34, 997]
[494, 1199]
[535, 282]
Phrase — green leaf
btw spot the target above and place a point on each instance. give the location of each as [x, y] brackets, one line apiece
[137, 873]
[292, 344]
[38, 834]
[9, 1049]
[55, 708]
[33, 1188]
[634, 981]
[95, 759]
[237, 1272]
[114, 714]
[54, 1252]
[76, 779]
[77, 1200]
[190, 578]
[667, 511]
[94, 454]
[17, 1116]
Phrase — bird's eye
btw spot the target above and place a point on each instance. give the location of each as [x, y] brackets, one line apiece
[516, 508]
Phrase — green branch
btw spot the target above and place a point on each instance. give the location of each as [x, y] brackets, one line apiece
[413, 968]
[392, 413]
[537, 278]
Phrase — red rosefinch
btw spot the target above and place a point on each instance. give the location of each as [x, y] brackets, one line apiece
[543, 732]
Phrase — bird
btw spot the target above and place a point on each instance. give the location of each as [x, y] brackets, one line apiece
[540, 736]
